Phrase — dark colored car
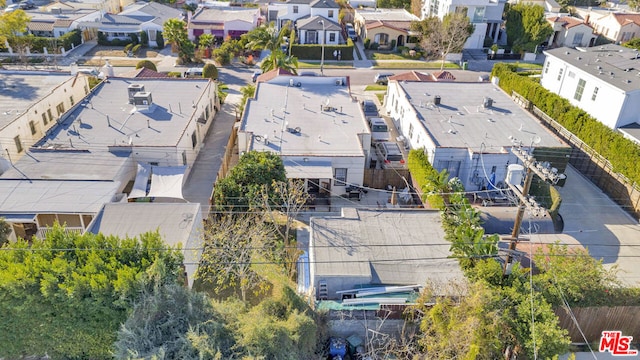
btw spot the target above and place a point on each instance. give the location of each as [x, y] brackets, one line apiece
[27, 5]
[369, 108]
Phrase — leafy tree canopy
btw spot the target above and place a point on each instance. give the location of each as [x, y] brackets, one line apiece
[394, 4]
[13, 24]
[446, 36]
[241, 188]
[66, 295]
[173, 322]
[526, 26]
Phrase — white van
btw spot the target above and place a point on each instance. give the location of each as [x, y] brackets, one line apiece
[193, 72]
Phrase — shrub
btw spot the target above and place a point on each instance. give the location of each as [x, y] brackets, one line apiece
[374, 46]
[134, 38]
[127, 48]
[136, 48]
[367, 43]
[209, 71]
[102, 38]
[144, 38]
[314, 51]
[174, 74]
[160, 40]
[393, 43]
[147, 65]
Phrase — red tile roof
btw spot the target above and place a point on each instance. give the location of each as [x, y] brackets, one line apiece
[144, 73]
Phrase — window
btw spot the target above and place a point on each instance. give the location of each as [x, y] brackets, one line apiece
[546, 67]
[60, 109]
[595, 94]
[577, 39]
[194, 140]
[32, 126]
[330, 14]
[560, 74]
[295, 9]
[50, 115]
[332, 37]
[382, 39]
[579, 89]
[44, 119]
[71, 100]
[18, 144]
[410, 131]
[340, 177]
[154, 163]
[184, 158]
[478, 14]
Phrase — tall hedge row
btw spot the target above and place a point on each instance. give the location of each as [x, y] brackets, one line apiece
[623, 153]
[314, 51]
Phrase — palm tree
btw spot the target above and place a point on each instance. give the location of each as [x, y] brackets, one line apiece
[267, 37]
[279, 60]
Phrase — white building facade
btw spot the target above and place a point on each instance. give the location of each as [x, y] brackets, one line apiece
[603, 81]
[485, 15]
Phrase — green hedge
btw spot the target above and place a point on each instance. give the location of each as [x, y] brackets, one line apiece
[37, 44]
[623, 154]
[421, 171]
[314, 51]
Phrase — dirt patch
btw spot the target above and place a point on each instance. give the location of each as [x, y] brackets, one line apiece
[118, 51]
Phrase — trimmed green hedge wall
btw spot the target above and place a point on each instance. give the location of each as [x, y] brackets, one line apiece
[314, 51]
[623, 154]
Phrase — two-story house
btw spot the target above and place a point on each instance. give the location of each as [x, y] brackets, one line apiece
[616, 26]
[467, 128]
[128, 139]
[603, 80]
[294, 10]
[314, 125]
[485, 15]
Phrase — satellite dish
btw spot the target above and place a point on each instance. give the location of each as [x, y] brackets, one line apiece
[537, 139]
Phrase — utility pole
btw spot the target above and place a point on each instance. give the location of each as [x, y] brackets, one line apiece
[546, 173]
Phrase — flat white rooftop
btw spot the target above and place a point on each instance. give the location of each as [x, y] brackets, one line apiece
[317, 118]
[461, 120]
[96, 140]
[391, 247]
[20, 90]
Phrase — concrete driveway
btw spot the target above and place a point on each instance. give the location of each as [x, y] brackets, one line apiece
[599, 224]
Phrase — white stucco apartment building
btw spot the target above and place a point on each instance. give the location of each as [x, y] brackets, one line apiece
[604, 81]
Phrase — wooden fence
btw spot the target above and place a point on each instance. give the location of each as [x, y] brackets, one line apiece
[591, 164]
[380, 178]
[596, 319]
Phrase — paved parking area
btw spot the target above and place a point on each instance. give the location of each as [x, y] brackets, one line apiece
[596, 222]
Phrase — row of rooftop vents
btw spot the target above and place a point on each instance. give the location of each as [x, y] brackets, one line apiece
[487, 102]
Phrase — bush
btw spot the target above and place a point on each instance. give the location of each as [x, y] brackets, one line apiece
[144, 38]
[174, 74]
[102, 38]
[393, 44]
[160, 40]
[134, 38]
[136, 48]
[147, 65]
[367, 43]
[127, 48]
[210, 72]
[374, 46]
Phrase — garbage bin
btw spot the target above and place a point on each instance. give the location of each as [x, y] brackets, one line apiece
[465, 65]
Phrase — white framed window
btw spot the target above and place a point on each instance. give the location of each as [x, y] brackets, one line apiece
[340, 177]
[330, 14]
[560, 74]
[595, 94]
[332, 37]
[295, 9]
[579, 89]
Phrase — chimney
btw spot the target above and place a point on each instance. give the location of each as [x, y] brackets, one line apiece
[586, 18]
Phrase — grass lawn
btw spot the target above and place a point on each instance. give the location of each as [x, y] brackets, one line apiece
[380, 97]
[386, 56]
[118, 51]
[376, 87]
[414, 65]
[528, 66]
[115, 62]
